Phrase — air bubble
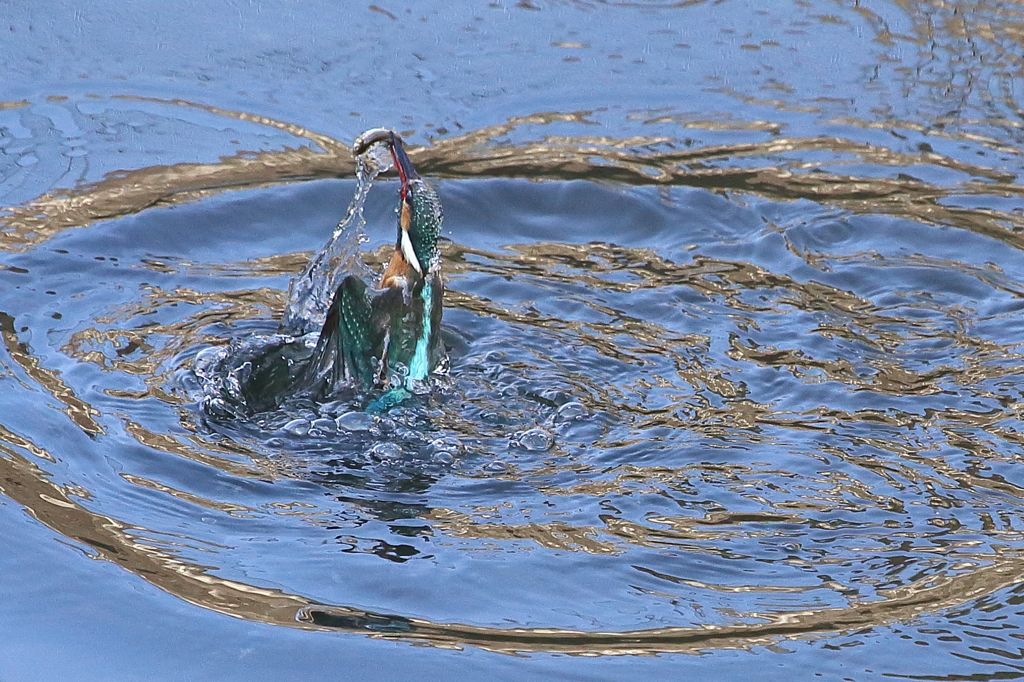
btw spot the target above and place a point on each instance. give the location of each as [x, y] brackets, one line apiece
[296, 427]
[496, 467]
[323, 427]
[446, 446]
[535, 440]
[570, 412]
[386, 451]
[354, 421]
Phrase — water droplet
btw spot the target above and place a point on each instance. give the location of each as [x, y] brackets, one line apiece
[354, 421]
[535, 440]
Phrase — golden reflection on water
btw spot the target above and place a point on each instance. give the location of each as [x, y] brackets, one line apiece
[633, 161]
[553, 535]
[589, 266]
[200, 451]
[113, 348]
[128, 547]
[80, 412]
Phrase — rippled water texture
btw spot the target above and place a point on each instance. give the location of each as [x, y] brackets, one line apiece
[733, 312]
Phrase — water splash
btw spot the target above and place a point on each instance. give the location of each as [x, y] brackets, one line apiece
[248, 375]
[262, 378]
[309, 295]
[255, 374]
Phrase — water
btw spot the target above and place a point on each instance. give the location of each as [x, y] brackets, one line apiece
[310, 294]
[258, 378]
[734, 337]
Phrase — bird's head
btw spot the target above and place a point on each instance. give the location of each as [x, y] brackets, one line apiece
[419, 214]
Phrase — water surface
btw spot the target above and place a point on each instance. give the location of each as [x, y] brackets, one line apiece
[733, 335]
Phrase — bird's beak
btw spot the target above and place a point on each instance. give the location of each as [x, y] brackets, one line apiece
[406, 172]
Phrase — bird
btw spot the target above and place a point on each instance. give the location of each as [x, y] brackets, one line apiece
[387, 336]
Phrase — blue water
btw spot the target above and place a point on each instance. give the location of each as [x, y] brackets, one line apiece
[733, 315]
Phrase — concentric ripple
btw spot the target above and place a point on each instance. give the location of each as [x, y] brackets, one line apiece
[674, 419]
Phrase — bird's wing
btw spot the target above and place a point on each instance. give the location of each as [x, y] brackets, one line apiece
[347, 343]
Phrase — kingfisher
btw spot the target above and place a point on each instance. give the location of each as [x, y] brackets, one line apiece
[388, 336]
